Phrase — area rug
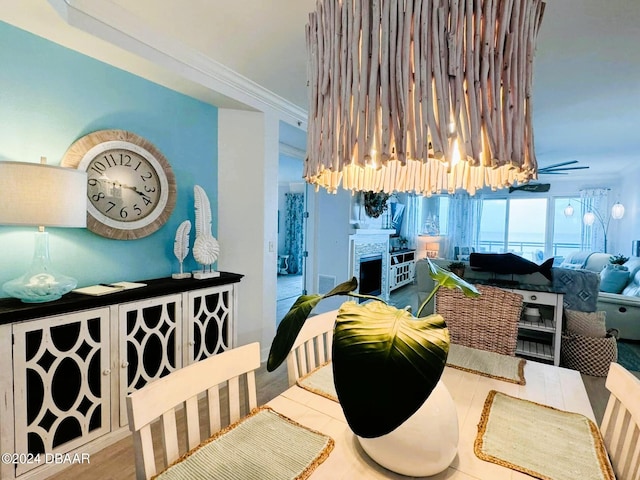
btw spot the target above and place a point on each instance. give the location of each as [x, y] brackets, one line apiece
[264, 445]
[320, 382]
[629, 355]
[541, 441]
[487, 364]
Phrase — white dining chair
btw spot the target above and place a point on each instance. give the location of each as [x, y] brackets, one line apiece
[312, 347]
[179, 390]
[620, 425]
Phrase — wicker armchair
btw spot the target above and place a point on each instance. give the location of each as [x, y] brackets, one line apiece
[488, 322]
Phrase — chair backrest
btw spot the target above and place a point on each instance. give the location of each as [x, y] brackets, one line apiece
[620, 426]
[179, 391]
[488, 322]
[313, 345]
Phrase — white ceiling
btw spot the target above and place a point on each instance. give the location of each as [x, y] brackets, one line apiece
[586, 73]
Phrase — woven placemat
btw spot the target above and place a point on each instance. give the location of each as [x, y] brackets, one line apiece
[264, 445]
[487, 364]
[541, 441]
[320, 381]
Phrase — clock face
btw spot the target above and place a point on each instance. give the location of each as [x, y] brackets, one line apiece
[130, 185]
[123, 185]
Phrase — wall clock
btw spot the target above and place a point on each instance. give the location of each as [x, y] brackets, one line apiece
[131, 188]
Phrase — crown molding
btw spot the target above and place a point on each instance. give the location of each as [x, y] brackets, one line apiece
[118, 26]
[291, 151]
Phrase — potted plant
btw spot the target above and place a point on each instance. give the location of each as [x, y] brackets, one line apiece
[375, 203]
[386, 362]
[619, 259]
[457, 268]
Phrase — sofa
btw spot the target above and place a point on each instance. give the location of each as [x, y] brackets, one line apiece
[578, 277]
[622, 305]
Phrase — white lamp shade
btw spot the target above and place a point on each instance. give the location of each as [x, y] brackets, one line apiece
[37, 194]
[589, 218]
[568, 211]
[617, 211]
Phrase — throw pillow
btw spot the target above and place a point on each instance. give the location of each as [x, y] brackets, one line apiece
[633, 287]
[588, 324]
[613, 280]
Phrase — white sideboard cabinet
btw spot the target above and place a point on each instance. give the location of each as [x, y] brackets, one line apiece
[68, 365]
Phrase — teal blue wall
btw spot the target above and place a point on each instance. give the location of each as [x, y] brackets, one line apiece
[49, 97]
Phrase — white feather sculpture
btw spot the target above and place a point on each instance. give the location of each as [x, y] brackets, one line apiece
[181, 247]
[205, 246]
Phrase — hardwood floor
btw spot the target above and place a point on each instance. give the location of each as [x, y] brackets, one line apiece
[116, 462]
[289, 288]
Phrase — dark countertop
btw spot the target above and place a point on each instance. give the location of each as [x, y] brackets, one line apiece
[404, 250]
[14, 310]
[516, 285]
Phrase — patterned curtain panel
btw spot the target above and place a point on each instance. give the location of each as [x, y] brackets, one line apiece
[412, 215]
[464, 223]
[294, 235]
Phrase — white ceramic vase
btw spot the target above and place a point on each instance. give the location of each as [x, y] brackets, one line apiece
[425, 444]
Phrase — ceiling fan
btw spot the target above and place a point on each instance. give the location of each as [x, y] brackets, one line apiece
[560, 168]
[555, 169]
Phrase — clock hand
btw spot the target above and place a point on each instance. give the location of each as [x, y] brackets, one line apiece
[135, 189]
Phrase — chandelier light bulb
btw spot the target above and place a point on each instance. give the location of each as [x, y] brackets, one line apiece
[589, 218]
[617, 211]
[568, 210]
[455, 154]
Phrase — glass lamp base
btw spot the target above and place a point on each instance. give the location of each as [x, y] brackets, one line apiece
[34, 287]
[40, 283]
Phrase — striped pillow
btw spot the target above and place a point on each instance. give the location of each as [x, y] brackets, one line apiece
[588, 324]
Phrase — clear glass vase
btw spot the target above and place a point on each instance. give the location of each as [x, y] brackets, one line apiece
[40, 283]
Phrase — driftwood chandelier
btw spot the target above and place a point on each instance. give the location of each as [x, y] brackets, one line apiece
[421, 96]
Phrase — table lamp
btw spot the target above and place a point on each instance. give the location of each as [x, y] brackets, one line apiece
[44, 196]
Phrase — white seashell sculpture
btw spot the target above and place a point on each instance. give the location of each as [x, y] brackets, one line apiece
[205, 246]
[181, 248]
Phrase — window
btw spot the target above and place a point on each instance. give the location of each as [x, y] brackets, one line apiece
[527, 227]
[443, 215]
[567, 230]
[435, 215]
[515, 225]
[534, 228]
[491, 237]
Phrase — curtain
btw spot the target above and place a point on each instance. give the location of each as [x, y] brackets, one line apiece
[464, 223]
[411, 223]
[294, 231]
[594, 236]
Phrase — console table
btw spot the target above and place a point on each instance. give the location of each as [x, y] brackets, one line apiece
[68, 365]
[540, 340]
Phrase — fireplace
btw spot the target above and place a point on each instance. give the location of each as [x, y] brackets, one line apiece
[369, 259]
[370, 281]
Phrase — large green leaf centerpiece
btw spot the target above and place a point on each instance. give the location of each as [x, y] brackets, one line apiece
[385, 364]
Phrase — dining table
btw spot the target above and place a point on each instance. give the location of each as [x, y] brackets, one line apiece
[546, 384]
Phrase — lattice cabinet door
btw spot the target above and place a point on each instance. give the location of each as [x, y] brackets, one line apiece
[150, 343]
[210, 321]
[61, 383]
